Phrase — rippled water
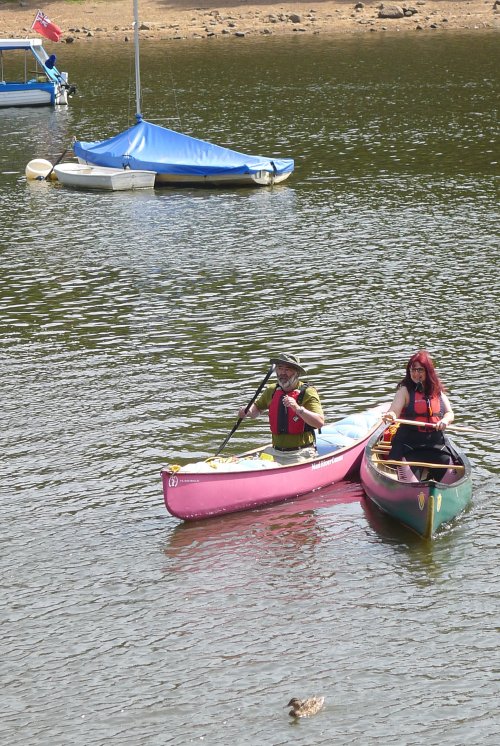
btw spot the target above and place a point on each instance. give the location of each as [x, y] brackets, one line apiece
[133, 326]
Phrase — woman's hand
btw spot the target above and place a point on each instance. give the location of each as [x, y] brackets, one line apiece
[389, 417]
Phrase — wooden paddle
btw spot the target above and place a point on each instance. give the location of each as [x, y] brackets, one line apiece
[463, 429]
[458, 428]
[240, 419]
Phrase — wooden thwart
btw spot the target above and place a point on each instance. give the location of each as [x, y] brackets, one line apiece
[392, 462]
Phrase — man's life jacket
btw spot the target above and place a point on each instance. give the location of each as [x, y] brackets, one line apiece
[421, 408]
[283, 420]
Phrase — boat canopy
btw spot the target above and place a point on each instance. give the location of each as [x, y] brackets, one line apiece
[20, 44]
[154, 148]
[35, 46]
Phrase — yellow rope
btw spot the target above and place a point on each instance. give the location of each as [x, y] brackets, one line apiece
[215, 461]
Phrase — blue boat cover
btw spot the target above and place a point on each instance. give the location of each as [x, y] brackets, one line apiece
[154, 148]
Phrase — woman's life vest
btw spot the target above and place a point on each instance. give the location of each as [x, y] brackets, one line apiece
[421, 408]
[284, 420]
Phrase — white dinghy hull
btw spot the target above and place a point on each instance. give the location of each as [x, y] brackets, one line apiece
[81, 176]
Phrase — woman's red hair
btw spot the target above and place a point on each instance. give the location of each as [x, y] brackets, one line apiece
[433, 385]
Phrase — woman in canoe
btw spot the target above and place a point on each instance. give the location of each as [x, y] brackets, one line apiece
[295, 412]
[420, 397]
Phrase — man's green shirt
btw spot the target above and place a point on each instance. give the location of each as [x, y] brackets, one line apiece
[310, 401]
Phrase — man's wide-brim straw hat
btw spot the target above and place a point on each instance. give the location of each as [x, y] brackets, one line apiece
[292, 360]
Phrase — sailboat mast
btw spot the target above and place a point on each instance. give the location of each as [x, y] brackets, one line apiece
[138, 114]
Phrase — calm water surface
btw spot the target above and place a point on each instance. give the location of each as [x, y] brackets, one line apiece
[132, 328]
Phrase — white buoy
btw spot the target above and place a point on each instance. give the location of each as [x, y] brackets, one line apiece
[38, 168]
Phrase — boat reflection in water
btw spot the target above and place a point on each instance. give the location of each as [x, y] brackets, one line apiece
[387, 529]
[420, 563]
[301, 522]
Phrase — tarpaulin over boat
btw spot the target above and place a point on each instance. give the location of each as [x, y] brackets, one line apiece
[154, 148]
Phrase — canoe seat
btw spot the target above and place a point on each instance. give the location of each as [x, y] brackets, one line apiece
[387, 469]
[381, 451]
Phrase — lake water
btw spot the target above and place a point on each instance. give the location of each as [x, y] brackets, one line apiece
[133, 326]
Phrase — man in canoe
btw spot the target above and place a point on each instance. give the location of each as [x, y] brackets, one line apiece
[294, 410]
[420, 397]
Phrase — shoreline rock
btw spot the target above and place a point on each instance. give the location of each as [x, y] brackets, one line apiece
[182, 19]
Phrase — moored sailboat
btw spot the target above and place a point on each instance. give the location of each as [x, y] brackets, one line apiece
[179, 159]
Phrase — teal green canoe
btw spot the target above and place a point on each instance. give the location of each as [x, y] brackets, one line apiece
[403, 490]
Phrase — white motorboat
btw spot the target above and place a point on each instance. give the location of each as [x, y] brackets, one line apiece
[82, 176]
[43, 86]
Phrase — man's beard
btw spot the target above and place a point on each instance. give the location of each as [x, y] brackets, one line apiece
[288, 384]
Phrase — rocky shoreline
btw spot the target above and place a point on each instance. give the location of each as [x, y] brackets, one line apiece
[181, 19]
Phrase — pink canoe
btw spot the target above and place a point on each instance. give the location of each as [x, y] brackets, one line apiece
[226, 485]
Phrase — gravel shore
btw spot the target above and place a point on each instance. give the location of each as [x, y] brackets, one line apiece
[182, 19]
